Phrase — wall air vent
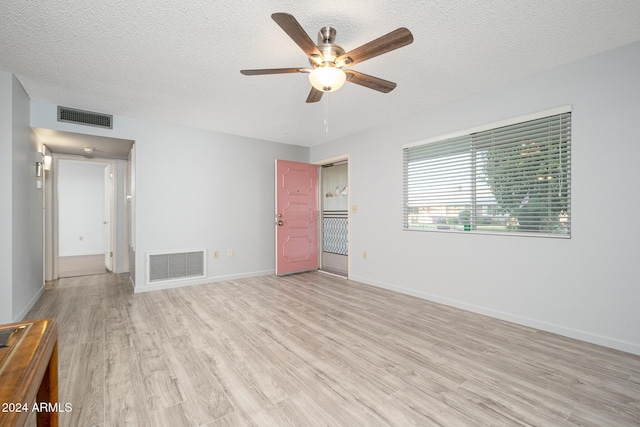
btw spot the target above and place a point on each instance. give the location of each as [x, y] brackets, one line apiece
[174, 266]
[88, 118]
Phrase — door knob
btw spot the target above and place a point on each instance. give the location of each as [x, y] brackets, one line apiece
[281, 223]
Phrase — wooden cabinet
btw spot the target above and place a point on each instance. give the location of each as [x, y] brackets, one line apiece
[29, 373]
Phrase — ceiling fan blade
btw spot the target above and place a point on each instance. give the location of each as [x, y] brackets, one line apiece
[293, 28]
[394, 40]
[274, 71]
[371, 82]
[314, 96]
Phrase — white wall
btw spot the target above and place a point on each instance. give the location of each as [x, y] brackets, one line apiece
[586, 287]
[197, 189]
[28, 210]
[21, 218]
[121, 259]
[81, 204]
[6, 150]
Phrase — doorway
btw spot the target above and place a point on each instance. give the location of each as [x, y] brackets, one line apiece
[312, 217]
[81, 147]
[334, 213]
[85, 205]
[296, 217]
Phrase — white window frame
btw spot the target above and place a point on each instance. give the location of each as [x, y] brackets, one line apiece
[416, 217]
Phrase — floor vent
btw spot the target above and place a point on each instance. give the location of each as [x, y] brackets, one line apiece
[173, 266]
[81, 117]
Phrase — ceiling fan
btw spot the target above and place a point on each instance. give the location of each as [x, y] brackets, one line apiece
[329, 62]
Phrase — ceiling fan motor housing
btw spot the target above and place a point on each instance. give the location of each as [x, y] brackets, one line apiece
[326, 35]
[329, 50]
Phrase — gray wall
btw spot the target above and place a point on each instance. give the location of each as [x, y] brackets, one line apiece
[585, 287]
[21, 218]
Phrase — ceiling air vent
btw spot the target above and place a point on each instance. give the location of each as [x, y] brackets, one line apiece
[81, 117]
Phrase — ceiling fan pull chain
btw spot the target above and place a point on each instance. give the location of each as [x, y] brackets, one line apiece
[326, 113]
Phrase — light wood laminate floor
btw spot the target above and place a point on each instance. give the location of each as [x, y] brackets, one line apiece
[317, 350]
[81, 265]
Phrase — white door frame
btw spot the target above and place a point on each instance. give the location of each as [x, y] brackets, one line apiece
[109, 199]
[337, 159]
[55, 212]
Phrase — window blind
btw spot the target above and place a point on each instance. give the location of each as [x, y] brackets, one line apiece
[512, 179]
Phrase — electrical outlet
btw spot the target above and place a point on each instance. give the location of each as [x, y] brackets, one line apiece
[81, 238]
[354, 208]
[216, 254]
[229, 253]
[364, 254]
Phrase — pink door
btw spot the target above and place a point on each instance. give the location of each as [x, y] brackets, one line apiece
[296, 217]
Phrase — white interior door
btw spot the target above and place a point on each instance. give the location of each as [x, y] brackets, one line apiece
[108, 201]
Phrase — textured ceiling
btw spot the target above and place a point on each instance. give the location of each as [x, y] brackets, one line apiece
[178, 61]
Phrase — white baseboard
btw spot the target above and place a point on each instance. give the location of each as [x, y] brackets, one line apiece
[199, 281]
[81, 254]
[29, 305]
[589, 337]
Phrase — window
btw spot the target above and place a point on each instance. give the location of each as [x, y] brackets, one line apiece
[510, 178]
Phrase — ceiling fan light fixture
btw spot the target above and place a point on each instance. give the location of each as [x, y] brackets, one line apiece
[327, 78]
[328, 60]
